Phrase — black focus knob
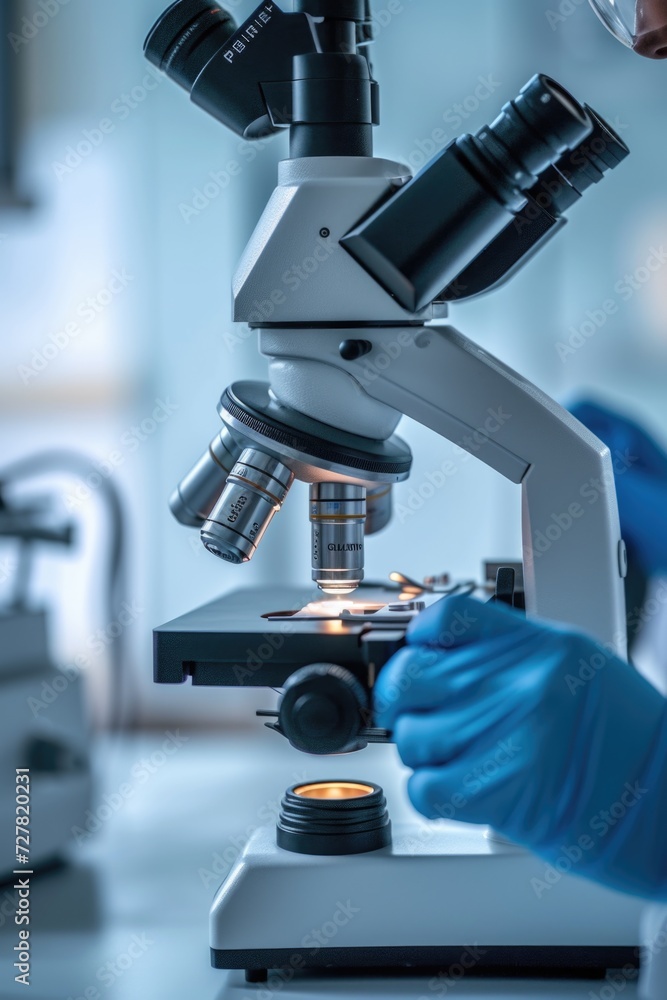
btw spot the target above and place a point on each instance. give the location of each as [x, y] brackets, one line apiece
[323, 710]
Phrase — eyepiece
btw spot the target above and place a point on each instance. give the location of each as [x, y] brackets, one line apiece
[186, 37]
[241, 75]
[421, 240]
[609, 150]
[600, 152]
[562, 185]
[553, 112]
[338, 518]
[530, 133]
[255, 492]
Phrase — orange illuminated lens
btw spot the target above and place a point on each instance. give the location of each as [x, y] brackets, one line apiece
[334, 790]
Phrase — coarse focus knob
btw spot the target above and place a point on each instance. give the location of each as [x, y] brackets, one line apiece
[324, 710]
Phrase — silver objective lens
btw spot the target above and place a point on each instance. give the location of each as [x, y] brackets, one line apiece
[198, 492]
[255, 491]
[379, 508]
[338, 517]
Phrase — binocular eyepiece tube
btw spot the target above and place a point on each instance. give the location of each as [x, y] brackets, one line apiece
[417, 244]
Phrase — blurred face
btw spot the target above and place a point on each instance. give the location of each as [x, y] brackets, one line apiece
[651, 29]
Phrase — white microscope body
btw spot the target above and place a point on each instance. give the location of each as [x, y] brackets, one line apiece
[496, 895]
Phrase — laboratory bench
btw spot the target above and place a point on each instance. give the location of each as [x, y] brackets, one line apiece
[126, 918]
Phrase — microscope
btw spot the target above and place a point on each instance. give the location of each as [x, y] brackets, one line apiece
[45, 728]
[348, 279]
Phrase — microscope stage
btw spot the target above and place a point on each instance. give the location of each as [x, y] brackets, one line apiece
[440, 895]
[256, 638]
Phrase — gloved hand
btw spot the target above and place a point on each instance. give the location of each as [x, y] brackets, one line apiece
[536, 731]
[640, 465]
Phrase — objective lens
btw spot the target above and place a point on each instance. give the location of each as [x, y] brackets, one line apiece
[334, 790]
[186, 37]
[338, 518]
[198, 492]
[333, 818]
[379, 508]
[255, 491]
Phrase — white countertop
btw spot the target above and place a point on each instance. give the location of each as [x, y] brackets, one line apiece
[127, 920]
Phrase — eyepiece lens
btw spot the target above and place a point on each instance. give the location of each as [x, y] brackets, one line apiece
[334, 790]
[186, 37]
[572, 107]
[556, 120]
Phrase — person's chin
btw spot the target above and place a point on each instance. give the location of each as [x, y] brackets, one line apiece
[652, 44]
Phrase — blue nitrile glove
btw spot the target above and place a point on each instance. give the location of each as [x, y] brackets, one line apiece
[640, 467]
[537, 731]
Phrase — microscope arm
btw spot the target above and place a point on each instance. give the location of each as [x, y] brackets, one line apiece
[574, 558]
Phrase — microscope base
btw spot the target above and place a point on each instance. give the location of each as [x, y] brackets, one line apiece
[441, 897]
